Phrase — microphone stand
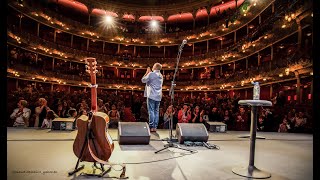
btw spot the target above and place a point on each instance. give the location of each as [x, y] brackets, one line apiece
[171, 94]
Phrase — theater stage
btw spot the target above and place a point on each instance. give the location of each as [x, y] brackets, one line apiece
[285, 156]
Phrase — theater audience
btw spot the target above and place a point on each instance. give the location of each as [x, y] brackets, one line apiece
[216, 107]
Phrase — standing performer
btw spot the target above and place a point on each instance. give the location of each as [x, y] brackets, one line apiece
[153, 92]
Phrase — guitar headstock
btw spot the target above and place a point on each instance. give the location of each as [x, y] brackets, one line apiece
[91, 66]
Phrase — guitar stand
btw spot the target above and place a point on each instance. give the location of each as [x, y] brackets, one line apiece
[89, 135]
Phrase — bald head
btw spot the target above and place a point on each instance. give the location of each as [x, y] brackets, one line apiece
[157, 66]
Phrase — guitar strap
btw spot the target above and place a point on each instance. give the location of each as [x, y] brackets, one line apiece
[123, 166]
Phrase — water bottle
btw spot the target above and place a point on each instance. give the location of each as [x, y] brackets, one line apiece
[256, 91]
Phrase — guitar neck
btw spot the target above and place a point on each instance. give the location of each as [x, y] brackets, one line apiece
[93, 93]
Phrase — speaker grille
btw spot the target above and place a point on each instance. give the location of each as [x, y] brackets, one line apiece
[191, 132]
[133, 129]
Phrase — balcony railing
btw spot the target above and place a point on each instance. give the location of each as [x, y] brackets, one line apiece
[77, 27]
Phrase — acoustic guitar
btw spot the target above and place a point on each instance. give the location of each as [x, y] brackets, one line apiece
[100, 146]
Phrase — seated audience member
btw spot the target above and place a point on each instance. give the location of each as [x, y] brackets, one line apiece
[35, 117]
[284, 126]
[197, 116]
[261, 125]
[214, 115]
[47, 122]
[21, 114]
[59, 111]
[128, 115]
[300, 122]
[72, 113]
[161, 114]
[167, 117]
[101, 107]
[43, 109]
[227, 118]
[184, 114]
[114, 117]
[144, 116]
[241, 120]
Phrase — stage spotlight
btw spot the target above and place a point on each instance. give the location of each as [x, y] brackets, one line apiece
[154, 25]
[108, 19]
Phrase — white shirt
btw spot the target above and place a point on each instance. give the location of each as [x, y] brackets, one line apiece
[153, 89]
[24, 114]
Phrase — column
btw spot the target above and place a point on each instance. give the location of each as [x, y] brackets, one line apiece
[134, 73]
[247, 29]
[55, 36]
[37, 55]
[246, 63]
[103, 46]
[118, 49]
[117, 72]
[69, 89]
[207, 46]
[311, 91]
[194, 13]
[245, 94]
[259, 59]
[220, 70]
[134, 50]
[271, 91]
[299, 34]
[271, 57]
[191, 94]
[208, 11]
[17, 83]
[193, 49]
[51, 87]
[259, 18]
[194, 23]
[70, 65]
[273, 7]
[165, 27]
[71, 40]
[164, 51]
[89, 18]
[235, 37]
[38, 29]
[20, 21]
[149, 51]
[298, 87]
[88, 44]
[234, 66]
[221, 43]
[52, 64]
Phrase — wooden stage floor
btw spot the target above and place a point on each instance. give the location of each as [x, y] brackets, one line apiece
[45, 155]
